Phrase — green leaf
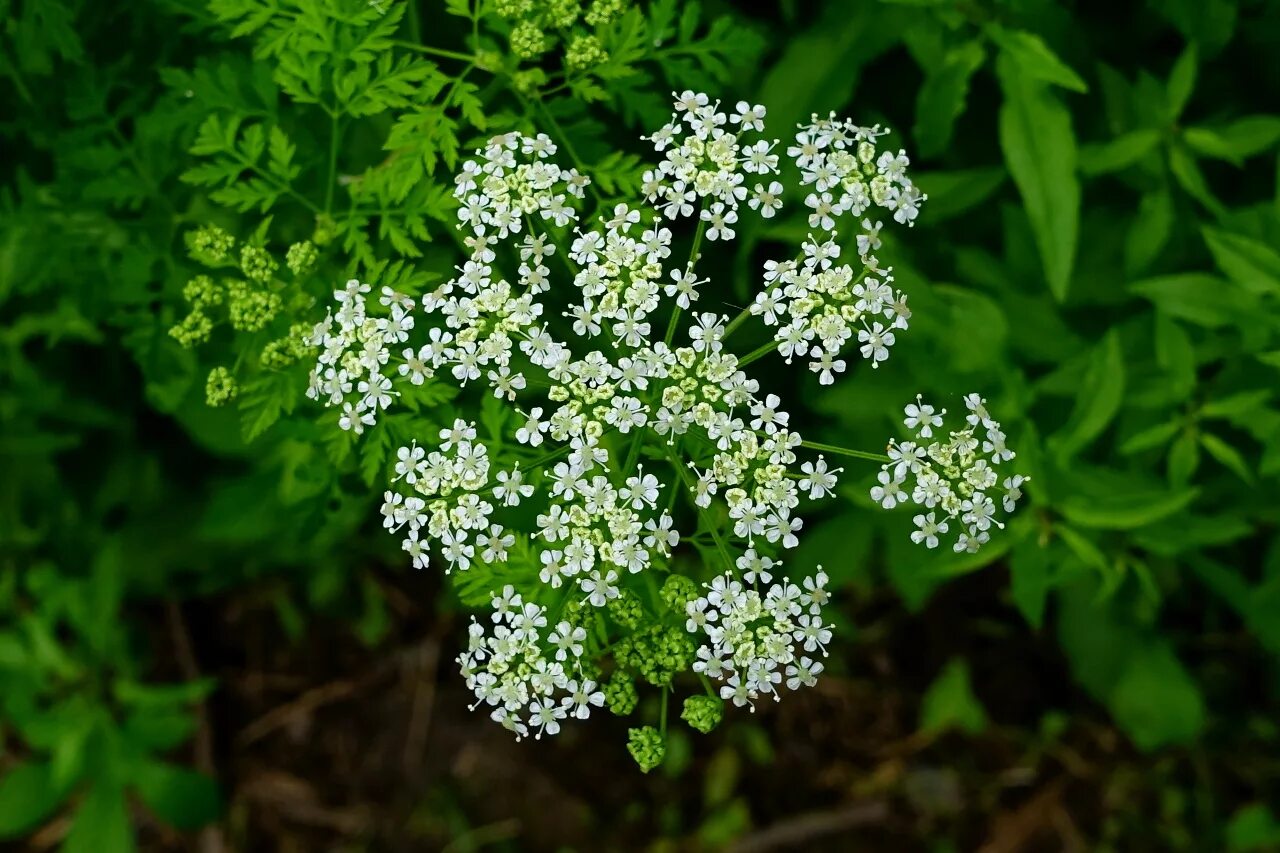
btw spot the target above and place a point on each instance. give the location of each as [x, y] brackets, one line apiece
[1029, 574]
[952, 193]
[1124, 511]
[1101, 394]
[28, 796]
[1253, 828]
[1250, 263]
[1034, 59]
[1131, 670]
[1190, 178]
[1199, 298]
[1149, 231]
[1182, 81]
[950, 702]
[1151, 437]
[941, 100]
[163, 696]
[1227, 455]
[101, 823]
[1040, 151]
[1119, 153]
[1235, 142]
[178, 796]
[1184, 458]
[1236, 405]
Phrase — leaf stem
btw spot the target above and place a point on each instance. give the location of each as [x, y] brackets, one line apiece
[758, 353]
[693, 259]
[845, 451]
[435, 51]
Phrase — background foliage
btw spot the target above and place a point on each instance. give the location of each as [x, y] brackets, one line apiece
[1100, 255]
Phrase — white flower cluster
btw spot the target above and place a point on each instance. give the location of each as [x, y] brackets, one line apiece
[755, 640]
[354, 351]
[816, 302]
[705, 165]
[580, 370]
[957, 481]
[531, 678]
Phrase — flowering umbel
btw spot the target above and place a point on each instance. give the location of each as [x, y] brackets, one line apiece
[618, 415]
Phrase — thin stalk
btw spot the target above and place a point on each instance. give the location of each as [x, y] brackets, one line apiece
[845, 451]
[758, 353]
[693, 259]
[435, 51]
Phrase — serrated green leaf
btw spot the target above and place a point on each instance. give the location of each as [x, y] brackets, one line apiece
[1237, 141]
[180, 797]
[1227, 455]
[1126, 510]
[28, 796]
[1119, 153]
[1182, 80]
[950, 702]
[941, 100]
[1252, 264]
[1040, 151]
[1151, 437]
[1101, 394]
[1034, 59]
[1029, 580]
[952, 193]
[101, 823]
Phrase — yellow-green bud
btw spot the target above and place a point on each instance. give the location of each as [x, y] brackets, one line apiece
[201, 292]
[301, 258]
[221, 387]
[528, 41]
[620, 695]
[647, 747]
[257, 264]
[193, 330]
[584, 52]
[210, 245]
[703, 713]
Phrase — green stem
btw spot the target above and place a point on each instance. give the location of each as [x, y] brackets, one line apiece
[736, 322]
[758, 353]
[844, 451]
[662, 725]
[693, 259]
[435, 51]
[702, 514]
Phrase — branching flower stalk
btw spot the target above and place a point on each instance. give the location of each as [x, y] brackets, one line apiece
[580, 552]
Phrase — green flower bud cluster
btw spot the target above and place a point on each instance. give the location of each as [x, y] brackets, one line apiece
[620, 695]
[202, 292]
[291, 348]
[221, 387]
[193, 330]
[646, 746]
[257, 264]
[626, 609]
[677, 591]
[512, 8]
[584, 52]
[301, 257]
[703, 713]
[528, 41]
[251, 310]
[603, 11]
[657, 653]
[210, 245]
[560, 14]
